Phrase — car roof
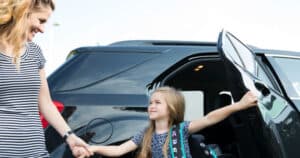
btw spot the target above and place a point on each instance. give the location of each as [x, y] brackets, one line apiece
[276, 52]
[162, 43]
[153, 46]
[171, 46]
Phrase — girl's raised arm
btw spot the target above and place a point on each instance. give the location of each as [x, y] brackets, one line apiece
[247, 101]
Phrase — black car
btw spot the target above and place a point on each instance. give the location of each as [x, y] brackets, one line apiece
[104, 91]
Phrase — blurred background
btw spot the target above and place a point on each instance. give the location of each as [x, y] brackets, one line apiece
[272, 24]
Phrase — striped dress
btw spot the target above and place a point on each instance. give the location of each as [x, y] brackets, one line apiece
[21, 133]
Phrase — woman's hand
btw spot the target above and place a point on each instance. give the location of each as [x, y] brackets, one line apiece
[78, 146]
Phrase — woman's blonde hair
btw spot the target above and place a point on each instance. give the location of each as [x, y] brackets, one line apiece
[176, 107]
[40, 4]
[14, 24]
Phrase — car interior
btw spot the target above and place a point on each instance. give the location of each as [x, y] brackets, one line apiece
[204, 84]
[230, 137]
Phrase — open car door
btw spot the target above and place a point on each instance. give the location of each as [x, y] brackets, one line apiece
[277, 127]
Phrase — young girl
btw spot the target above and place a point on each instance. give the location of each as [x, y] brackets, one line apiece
[165, 110]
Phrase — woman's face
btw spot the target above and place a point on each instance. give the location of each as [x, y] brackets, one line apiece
[37, 21]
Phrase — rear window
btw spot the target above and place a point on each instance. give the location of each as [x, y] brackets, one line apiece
[86, 69]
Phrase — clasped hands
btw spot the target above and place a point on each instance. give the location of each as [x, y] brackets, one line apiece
[79, 148]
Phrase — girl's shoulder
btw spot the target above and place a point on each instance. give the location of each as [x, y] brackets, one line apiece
[184, 127]
[138, 137]
[185, 124]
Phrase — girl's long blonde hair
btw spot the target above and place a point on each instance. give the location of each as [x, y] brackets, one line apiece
[176, 107]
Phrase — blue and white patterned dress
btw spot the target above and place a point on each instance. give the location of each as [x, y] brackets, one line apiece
[158, 141]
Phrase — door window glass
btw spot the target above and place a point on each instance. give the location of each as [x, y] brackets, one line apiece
[290, 67]
[231, 53]
[246, 56]
[264, 77]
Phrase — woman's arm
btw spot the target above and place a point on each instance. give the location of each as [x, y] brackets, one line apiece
[52, 115]
[48, 109]
[247, 101]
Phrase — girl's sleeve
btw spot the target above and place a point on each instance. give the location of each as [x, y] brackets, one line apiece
[186, 128]
[138, 138]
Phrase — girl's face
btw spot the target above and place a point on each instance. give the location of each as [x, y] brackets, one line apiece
[158, 108]
[37, 21]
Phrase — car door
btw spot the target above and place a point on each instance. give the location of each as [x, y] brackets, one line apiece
[280, 123]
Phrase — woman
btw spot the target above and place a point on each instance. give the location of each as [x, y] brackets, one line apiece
[23, 86]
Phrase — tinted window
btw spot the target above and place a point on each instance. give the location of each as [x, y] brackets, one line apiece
[265, 73]
[290, 68]
[246, 56]
[231, 52]
[89, 68]
[264, 77]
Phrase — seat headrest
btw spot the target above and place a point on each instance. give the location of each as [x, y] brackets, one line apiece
[223, 99]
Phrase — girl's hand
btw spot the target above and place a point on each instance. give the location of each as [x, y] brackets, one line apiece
[78, 146]
[247, 101]
[82, 152]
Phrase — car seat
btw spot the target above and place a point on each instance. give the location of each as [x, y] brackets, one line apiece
[196, 141]
[224, 98]
[201, 150]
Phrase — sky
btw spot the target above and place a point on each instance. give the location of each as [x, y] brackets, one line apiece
[270, 24]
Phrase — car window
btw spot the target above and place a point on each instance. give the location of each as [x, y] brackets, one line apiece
[89, 68]
[232, 54]
[290, 68]
[194, 104]
[264, 74]
[246, 56]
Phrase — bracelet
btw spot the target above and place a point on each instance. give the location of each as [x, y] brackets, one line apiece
[67, 135]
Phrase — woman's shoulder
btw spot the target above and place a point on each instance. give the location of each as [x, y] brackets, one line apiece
[32, 45]
[34, 52]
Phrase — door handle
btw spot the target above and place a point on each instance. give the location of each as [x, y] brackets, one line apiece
[262, 87]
